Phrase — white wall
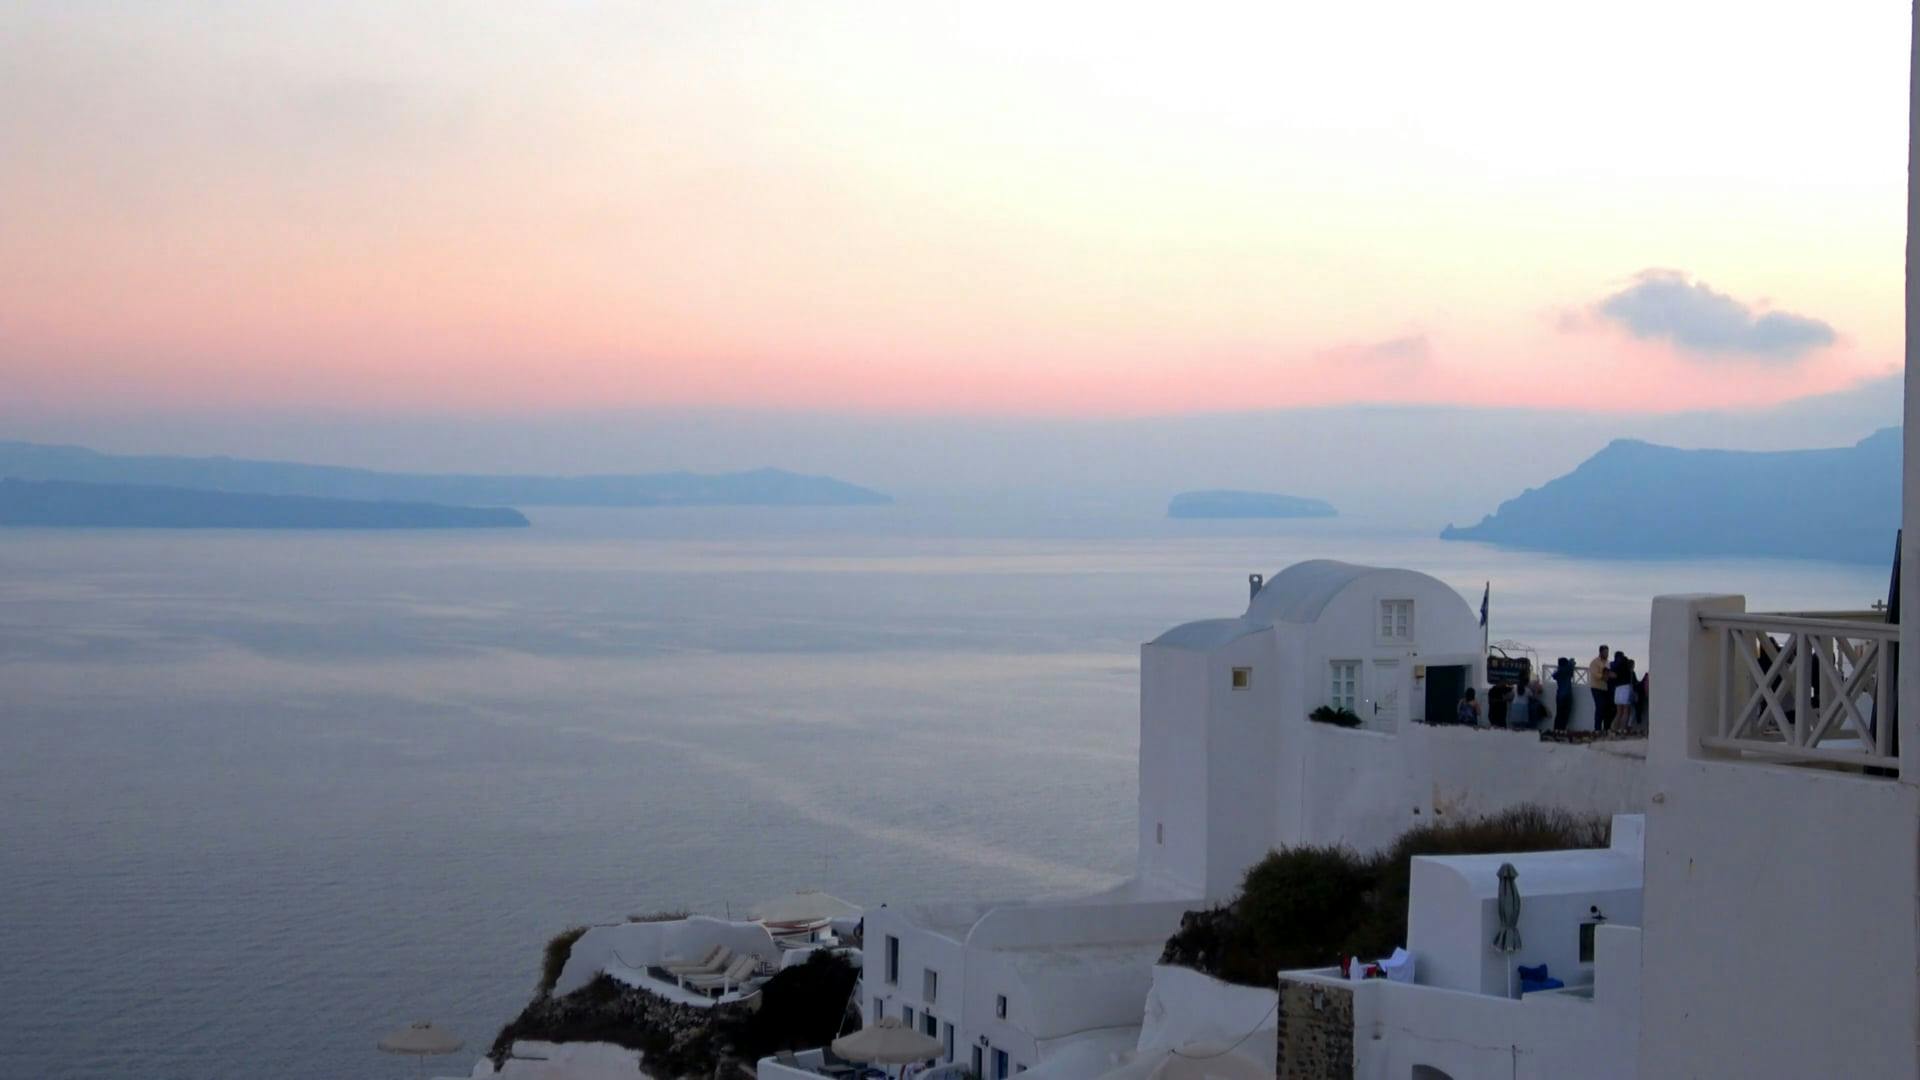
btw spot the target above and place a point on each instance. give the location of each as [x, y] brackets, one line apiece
[1364, 789]
[1185, 1006]
[647, 944]
[921, 949]
[1450, 930]
[1174, 688]
[1780, 901]
[1243, 738]
[1398, 1027]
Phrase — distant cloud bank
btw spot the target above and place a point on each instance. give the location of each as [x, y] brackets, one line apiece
[1667, 304]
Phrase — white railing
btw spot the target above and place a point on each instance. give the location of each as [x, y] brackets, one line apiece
[1806, 688]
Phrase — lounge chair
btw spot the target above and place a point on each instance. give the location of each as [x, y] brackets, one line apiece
[716, 961]
[737, 972]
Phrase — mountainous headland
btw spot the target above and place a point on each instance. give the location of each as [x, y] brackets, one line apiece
[61, 503]
[1246, 504]
[757, 487]
[1636, 499]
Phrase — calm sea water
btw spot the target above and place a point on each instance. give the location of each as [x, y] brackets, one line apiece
[268, 795]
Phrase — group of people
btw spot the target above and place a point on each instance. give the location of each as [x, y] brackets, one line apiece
[1619, 698]
[1619, 693]
[1522, 706]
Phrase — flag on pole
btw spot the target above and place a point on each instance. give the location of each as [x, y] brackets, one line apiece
[1485, 595]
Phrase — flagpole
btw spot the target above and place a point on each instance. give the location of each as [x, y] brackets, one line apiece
[1486, 634]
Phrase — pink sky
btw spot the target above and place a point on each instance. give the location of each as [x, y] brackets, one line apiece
[1092, 211]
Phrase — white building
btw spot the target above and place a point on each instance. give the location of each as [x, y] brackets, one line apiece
[1007, 987]
[1232, 767]
[1462, 1014]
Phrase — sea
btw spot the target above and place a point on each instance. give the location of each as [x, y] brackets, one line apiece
[269, 795]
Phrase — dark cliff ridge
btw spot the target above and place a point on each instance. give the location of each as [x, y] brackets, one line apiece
[757, 487]
[61, 503]
[1246, 504]
[1635, 499]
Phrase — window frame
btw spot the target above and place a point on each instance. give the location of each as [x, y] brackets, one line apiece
[1352, 700]
[893, 960]
[1241, 679]
[1388, 627]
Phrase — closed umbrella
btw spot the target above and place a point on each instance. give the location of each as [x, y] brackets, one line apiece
[887, 1043]
[421, 1040]
[1507, 938]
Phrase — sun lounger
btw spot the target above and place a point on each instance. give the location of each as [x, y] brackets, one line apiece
[716, 961]
[737, 972]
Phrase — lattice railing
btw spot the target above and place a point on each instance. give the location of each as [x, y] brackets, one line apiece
[1806, 688]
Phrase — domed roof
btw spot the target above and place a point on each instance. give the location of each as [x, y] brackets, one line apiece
[1207, 634]
[1302, 591]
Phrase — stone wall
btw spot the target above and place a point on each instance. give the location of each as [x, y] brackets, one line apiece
[1315, 1039]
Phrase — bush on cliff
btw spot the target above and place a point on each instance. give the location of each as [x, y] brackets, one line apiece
[554, 960]
[1311, 906]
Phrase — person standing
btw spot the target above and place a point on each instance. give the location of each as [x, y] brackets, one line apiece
[1623, 684]
[1599, 672]
[1563, 693]
[1468, 712]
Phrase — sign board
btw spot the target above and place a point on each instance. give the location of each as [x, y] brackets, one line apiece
[1508, 670]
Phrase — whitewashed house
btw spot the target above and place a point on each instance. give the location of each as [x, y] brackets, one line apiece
[1232, 767]
[1007, 987]
[1462, 1014]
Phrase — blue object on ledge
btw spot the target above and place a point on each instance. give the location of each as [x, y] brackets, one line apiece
[1536, 978]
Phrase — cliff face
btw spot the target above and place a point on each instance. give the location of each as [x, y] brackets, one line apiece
[1636, 499]
[758, 487]
[57, 503]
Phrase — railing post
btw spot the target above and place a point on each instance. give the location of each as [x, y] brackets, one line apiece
[1687, 657]
[1727, 681]
[1802, 687]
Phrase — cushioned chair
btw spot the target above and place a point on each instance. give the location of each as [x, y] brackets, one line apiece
[1536, 978]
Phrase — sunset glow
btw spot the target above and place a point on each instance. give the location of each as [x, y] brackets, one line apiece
[1078, 210]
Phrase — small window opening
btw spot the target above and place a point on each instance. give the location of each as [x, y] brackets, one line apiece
[1242, 678]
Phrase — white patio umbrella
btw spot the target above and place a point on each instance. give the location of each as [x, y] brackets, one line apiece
[421, 1040]
[887, 1043]
[806, 906]
[1507, 938]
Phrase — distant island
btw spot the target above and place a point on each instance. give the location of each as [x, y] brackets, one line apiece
[142, 506]
[1246, 504]
[758, 487]
[1636, 499]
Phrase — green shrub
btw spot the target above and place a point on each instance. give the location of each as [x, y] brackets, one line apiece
[659, 916]
[559, 948]
[1341, 717]
[1311, 906]
[1516, 829]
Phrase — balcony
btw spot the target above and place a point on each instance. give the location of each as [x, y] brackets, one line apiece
[1812, 689]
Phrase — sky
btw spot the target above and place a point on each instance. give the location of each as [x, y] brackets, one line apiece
[997, 211]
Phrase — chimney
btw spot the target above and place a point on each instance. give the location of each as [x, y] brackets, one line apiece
[1254, 581]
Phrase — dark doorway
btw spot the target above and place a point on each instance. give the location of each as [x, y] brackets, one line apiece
[1445, 685]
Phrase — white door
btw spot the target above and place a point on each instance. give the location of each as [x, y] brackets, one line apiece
[1386, 696]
